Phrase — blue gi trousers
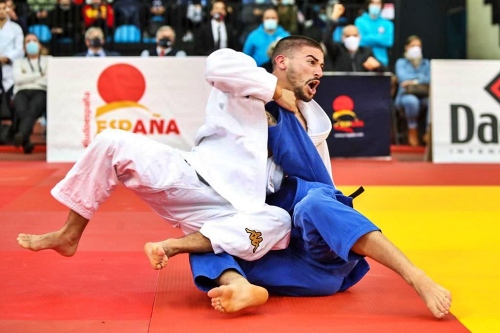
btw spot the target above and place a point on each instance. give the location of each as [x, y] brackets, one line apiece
[318, 261]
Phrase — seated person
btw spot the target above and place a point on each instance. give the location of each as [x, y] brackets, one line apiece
[414, 74]
[348, 56]
[94, 39]
[165, 44]
[30, 89]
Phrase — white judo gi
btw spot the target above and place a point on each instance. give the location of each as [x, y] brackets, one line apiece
[230, 153]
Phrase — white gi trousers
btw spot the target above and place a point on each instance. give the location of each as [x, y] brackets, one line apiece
[161, 177]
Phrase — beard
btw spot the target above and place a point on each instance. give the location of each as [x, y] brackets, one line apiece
[297, 88]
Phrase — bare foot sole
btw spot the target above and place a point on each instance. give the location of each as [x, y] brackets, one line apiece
[65, 246]
[156, 255]
[437, 298]
[235, 297]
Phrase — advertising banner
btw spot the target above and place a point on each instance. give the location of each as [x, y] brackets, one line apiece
[465, 107]
[359, 106]
[161, 98]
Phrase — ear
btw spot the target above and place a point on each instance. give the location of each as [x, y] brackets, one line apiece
[281, 61]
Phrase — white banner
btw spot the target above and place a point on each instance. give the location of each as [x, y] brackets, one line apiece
[163, 98]
[465, 105]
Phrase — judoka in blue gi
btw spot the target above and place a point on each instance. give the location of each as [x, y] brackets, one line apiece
[319, 260]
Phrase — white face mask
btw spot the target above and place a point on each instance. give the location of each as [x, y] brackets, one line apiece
[352, 43]
[270, 24]
[414, 52]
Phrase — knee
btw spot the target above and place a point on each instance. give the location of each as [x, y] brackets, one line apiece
[110, 138]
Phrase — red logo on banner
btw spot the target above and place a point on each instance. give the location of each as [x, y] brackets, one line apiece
[121, 82]
[493, 88]
[344, 117]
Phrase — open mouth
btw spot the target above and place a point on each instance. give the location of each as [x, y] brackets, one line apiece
[313, 84]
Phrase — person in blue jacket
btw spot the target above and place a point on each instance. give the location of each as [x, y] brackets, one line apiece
[376, 32]
[259, 40]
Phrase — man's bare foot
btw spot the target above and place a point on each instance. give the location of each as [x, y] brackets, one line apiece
[437, 298]
[63, 244]
[156, 254]
[236, 296]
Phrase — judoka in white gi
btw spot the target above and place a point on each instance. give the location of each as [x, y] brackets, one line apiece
[230, 154]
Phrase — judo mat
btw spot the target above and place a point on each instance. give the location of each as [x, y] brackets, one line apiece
[447, 224]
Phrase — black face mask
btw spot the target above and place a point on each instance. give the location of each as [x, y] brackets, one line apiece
[165, 42]
[95, 42]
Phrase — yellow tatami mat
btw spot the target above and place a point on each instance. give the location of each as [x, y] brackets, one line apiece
[452, 233]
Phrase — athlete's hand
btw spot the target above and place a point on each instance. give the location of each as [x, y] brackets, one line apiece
[287, 100]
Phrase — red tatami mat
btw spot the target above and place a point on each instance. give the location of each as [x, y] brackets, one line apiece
[108, 286]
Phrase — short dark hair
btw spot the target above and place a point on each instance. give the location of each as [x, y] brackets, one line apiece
[3, 1]
[288, 44]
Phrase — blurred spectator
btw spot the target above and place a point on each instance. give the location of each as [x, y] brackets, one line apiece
[217, 33]
[128, 12]
[99, 14]
[288, 15]
[413, 73]
[251, 16]
[347, 56]
[11, 48]
[157, 17]
[376, 32]
[65, 20]
[258, 41]
[15, 17]
[94, 39]
[165, 44]
[30, 91]
[40, 11]
[194, 18]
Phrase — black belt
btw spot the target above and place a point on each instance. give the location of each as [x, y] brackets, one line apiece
[357, 192]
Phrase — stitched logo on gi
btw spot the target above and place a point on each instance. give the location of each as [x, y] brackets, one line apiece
[255, 238]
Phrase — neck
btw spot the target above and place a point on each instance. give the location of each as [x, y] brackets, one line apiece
[94, 50]
[32, 56]
[2, 21]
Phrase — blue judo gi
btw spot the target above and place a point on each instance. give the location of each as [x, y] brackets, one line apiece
[318, 261]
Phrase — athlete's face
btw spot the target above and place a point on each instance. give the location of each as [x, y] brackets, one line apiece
[303, 72]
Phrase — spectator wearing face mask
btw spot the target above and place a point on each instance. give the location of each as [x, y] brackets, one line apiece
[347, 56]
[414, 74]
[376, 32]
[217, 33]
[30, 91]
[94, 39]
[258, 40]
[165, 44]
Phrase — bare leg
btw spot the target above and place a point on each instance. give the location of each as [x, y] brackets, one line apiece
[64, 241]
[236, 293]
[376, 246]
[159, 252]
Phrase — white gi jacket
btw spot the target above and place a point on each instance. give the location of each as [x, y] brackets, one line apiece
[235, 129]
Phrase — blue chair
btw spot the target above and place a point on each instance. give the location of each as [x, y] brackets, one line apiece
[127, 33]
[42, 31]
